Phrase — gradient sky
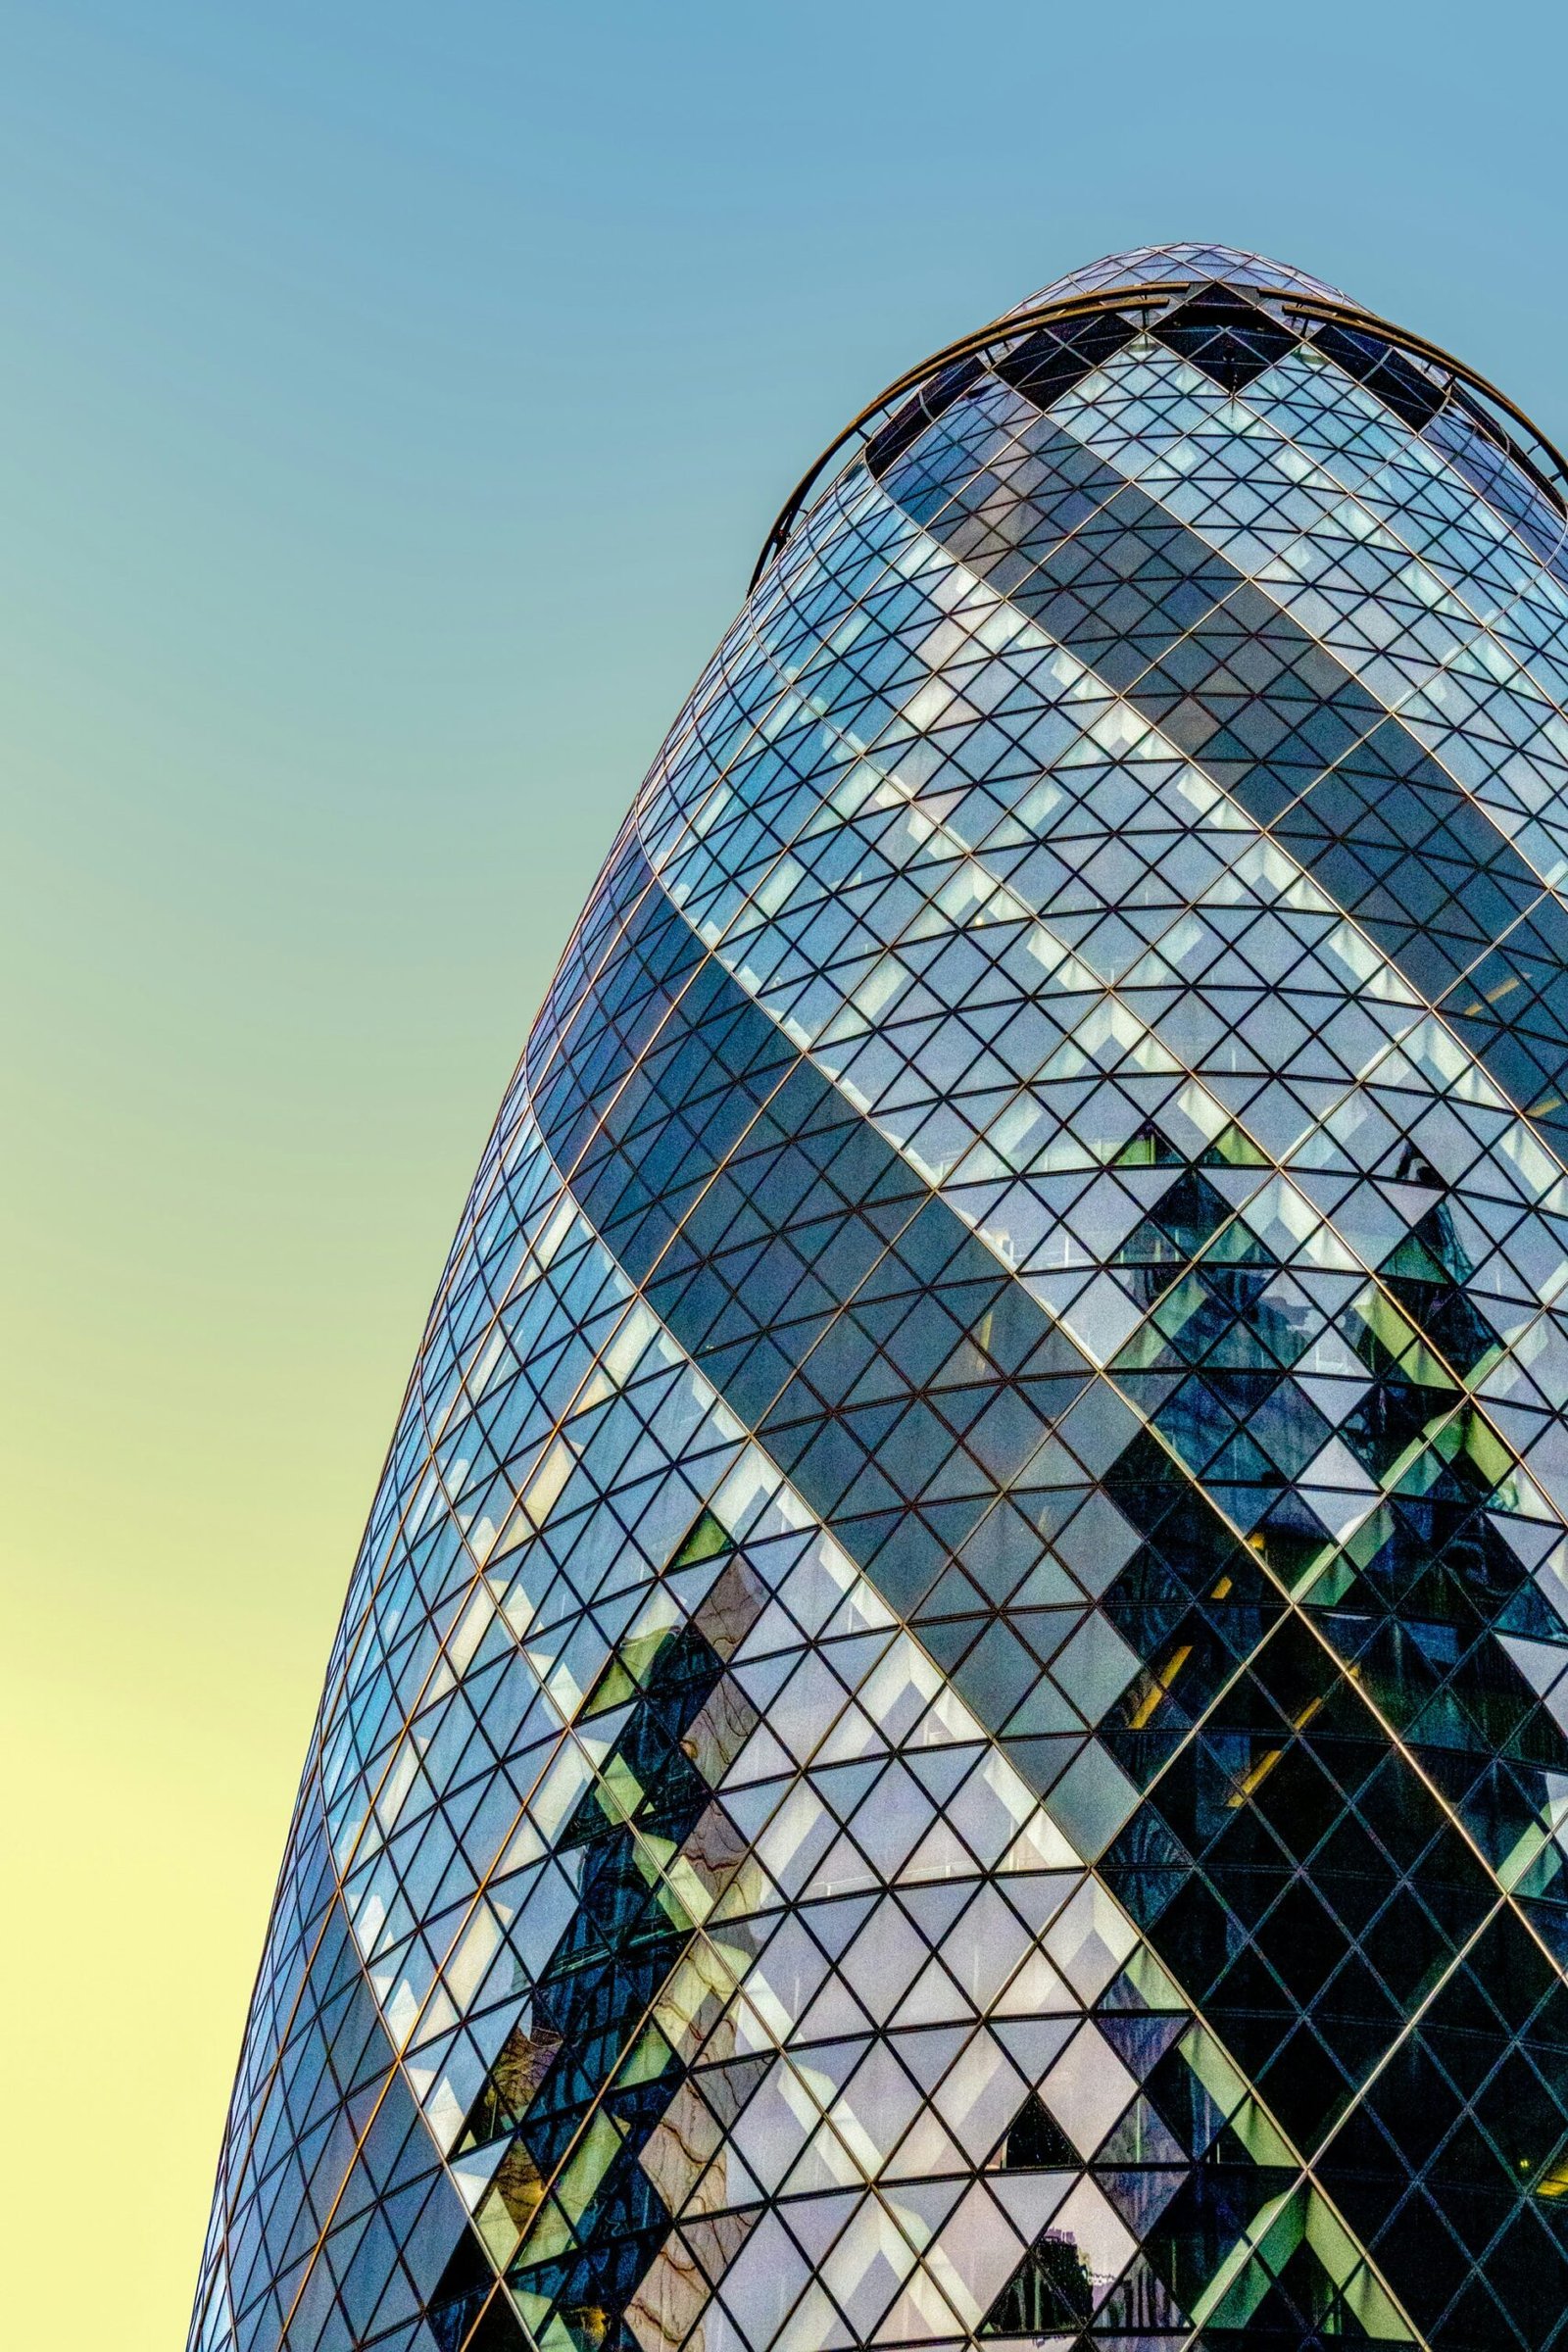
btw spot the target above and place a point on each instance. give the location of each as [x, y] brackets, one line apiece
[392, 399]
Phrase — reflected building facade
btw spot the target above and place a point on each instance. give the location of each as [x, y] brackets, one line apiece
[950, 1727]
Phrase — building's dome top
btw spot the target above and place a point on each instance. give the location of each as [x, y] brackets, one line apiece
[1149, 262]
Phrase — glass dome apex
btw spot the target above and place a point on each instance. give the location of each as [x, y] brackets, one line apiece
[1146, 264]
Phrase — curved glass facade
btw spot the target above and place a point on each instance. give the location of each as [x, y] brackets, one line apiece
[950, 1727]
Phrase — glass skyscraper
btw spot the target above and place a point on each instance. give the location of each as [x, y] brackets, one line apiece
[950, 1727]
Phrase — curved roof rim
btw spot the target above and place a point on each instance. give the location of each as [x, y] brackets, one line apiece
[1539, 458]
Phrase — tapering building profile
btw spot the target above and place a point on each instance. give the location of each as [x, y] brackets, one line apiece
[949, 1728]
